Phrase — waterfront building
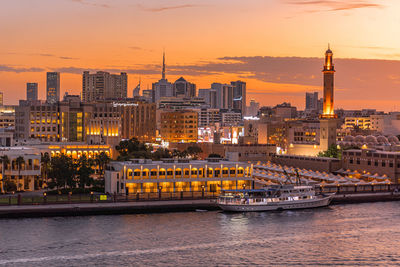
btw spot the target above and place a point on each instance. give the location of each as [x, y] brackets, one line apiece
[171, 175]
[31, 91]
[53, 87]
[373, 163]
[103, 85]
[74, 149]
[183, 88]
[27, 176]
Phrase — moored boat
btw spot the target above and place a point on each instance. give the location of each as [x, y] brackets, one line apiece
[279, 197]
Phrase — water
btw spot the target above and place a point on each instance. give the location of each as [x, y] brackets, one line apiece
[362, 234]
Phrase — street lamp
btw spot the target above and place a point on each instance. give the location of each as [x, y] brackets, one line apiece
[159, 192]
[202, 191]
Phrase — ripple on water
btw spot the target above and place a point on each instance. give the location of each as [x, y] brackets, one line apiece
[363, 234]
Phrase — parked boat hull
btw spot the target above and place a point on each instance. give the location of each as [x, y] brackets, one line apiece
[286, 205]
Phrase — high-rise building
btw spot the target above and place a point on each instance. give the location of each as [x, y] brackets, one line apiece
[103, 85]
[137, 120]
[239, 96]
[162, 88]
[311, 101]
[329, 71]
[136, 91]
[224, 95]
[53, 87]
[253, 108]
[183, 88]
[209, 96]
[31, 91]
[119, 86]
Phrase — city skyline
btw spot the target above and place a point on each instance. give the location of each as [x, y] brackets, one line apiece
[278, 64]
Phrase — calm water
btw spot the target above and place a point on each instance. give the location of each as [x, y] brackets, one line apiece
[363, 234]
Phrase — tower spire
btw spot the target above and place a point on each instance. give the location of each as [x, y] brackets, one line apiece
[163, 66]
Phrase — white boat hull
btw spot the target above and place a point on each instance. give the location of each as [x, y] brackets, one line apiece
[284, 205]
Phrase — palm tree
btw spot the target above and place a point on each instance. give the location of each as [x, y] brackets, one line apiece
[4, 161]
[102, 160]
[19, 161]
[45, 166]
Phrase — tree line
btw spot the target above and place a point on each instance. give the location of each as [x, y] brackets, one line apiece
[132, 148]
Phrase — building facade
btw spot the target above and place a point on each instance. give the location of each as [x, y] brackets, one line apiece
[31, 91]
[53, 87]
[179, 126]
[103, 85]
[183, 88]
[239, 96]
[169, 175]
[137, 120]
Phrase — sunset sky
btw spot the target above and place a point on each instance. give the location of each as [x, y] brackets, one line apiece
[276, 46]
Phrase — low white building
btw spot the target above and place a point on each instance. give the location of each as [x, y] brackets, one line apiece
[24, 177]
[172, 175]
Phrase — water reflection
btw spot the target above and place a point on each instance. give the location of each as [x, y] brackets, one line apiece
[365, 234]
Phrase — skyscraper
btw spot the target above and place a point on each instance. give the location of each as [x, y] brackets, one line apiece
[162, 88]
[239, 96]
[183, 88]
[224, 95]
[103, 85]
[311, 101]
[53, 87]
[31, 91]
[136, 91]
[329, 71]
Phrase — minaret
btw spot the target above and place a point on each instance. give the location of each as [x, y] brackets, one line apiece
[163, 66]
[329, 71]
[328, 121]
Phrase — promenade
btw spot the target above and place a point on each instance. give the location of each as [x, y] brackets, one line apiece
[82, 209]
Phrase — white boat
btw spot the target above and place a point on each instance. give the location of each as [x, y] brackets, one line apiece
[279, 197]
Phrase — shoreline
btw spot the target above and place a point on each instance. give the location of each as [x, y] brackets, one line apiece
[160, 206]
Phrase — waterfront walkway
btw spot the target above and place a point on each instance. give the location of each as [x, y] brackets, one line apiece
[75, 209]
